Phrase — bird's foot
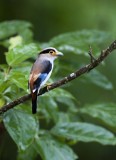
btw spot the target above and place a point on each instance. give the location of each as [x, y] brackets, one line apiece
[48, 85]
[48, 88]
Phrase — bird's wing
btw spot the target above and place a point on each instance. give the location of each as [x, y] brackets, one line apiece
[38, 74]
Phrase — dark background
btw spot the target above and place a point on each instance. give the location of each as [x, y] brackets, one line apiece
[50, 18]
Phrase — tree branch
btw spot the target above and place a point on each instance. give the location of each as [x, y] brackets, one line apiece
[94, 63]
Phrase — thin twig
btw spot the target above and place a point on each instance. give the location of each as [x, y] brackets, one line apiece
[92, 58]
[65, 80]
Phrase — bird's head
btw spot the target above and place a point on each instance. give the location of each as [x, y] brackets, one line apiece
[51, 53]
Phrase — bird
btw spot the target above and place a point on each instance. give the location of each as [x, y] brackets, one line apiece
[41, 72]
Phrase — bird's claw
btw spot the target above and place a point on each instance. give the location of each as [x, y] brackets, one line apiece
[48, 87]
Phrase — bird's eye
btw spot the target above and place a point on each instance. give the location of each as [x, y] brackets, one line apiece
[51, 52]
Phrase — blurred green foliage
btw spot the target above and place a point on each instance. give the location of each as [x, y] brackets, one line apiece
[51, 17]
[82, 111]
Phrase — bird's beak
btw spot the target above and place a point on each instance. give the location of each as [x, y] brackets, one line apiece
[59, 53]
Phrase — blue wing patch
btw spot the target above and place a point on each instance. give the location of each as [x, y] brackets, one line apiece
[39, 80]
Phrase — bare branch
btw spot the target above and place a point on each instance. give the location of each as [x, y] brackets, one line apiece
[94, 63]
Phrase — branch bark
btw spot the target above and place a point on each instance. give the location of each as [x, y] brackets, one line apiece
[65, 80]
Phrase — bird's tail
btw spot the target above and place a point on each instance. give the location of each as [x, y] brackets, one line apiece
[34, 102]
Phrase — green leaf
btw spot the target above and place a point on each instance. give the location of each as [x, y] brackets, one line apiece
[28, 154]
[78, 42]
[85, 132]
[50, 109]
[50, 149]
[50, 100]
[20, 79]
[21, 126]
[63, 96]
[10, 28]
[98, 79]
[2, 102]
[2, 82]
[20, 53]
[63, 117]
[103, 113]
[58, 93]
[3, 85]
[15, 41]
